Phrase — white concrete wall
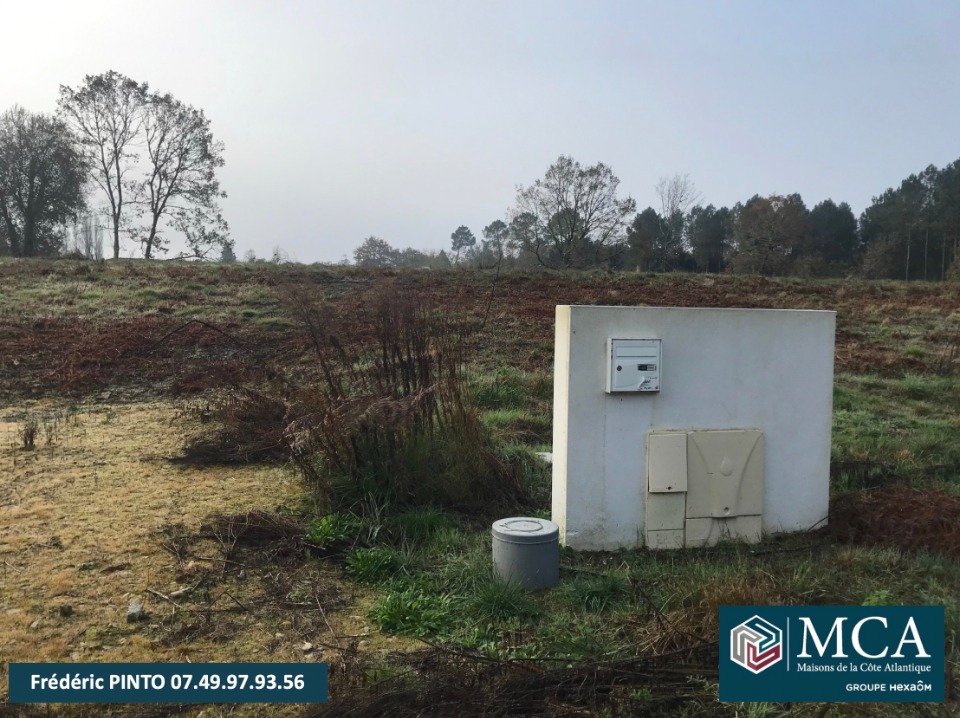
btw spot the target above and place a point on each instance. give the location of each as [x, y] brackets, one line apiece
[768, 369]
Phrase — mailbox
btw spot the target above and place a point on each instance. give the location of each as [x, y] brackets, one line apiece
[633, 365]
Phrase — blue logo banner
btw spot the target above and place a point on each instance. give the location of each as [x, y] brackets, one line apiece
[168, 682]
[831, 653]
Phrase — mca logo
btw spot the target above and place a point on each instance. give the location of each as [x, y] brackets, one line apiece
[756, 644]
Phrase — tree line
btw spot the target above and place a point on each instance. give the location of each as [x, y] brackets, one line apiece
[573, 217]
[142, 161]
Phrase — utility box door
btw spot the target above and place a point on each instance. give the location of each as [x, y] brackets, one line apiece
[666, 462]
[633, 365]
[725, 473]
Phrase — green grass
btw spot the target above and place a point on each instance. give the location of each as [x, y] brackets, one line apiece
[505, 387]
[133, 288]
[612, 604]
[595, 593]
[519, 425]
[374, 565]
[420, 526]
[151, 295]
[617, 604]
[533, 472]
[495, 601]
[896, 428]
[608, 604]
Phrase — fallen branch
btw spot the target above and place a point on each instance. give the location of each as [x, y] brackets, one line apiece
[202, 323]
[166, 598]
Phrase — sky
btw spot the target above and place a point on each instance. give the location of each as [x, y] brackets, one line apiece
[405, 119]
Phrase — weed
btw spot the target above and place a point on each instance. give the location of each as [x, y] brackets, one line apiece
[466, 567]
[923, 388]
[880, 597]
[506, 388]
[250, 428]
[333, 529]
[46, 425]
[413, 612]
[149, 295]
[374, 565]
[28, 430]
[575, 637]
[894, 428]
[451, 541]
[499, 392]
[759, 710]
[948, 360]
[533, 473]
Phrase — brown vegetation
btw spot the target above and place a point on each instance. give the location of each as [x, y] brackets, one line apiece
[908, 518]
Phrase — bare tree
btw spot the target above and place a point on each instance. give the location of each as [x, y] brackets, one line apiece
[677, 194]
[181, 185]
[107, 113]
[572, 215]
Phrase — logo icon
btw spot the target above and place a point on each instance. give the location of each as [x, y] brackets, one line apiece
[756, 644]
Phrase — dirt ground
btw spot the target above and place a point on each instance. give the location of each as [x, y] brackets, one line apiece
[96, 516]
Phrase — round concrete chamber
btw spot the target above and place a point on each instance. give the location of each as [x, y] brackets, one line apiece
[526, 551]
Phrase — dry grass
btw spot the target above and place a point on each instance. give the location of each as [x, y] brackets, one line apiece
[84, 522]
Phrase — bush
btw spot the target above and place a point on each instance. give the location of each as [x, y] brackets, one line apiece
[390, 422]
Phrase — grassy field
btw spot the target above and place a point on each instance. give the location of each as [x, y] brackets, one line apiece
[111, 374]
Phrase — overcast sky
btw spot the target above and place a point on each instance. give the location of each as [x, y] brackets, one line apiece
[404, 120]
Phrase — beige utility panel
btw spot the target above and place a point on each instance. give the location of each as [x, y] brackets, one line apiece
[703, 487]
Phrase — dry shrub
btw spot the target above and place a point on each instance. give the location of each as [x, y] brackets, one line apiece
[389, 419]
[250, 428]
[253, 527]
[382, 418]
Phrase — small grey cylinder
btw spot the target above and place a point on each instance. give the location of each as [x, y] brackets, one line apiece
[526, 551]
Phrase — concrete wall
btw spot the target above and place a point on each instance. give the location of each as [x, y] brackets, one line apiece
[769, 369]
